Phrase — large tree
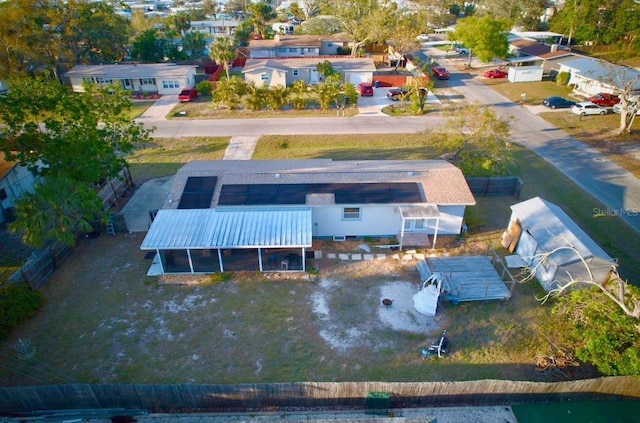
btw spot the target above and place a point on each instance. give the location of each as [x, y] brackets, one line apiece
[485, 37]
[475, 139]
[521, 13]
[149, 46]
[69, 140]
[194, 44]
[367, 21]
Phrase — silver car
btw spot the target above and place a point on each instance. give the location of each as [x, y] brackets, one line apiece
[588, 108]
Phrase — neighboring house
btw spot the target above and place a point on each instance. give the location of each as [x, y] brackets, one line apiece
[526, 52]
[592, 76]
[164, 78]
[251, 215]
[284, 72]
[215, 28]
[15, 181]
[284, 28]
[537, 227]
[298, 46]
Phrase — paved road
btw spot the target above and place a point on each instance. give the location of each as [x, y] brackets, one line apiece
[616, 188]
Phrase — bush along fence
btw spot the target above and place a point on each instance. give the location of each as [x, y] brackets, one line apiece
[495, 185]
[247, 397]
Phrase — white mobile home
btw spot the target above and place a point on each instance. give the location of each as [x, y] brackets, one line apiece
[266, 208]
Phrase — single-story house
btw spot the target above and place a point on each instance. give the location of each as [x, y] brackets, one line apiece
[160, 78]
[526, 52]
[284, 72]
[15, 181]
[537, 227]
[262, 215]
[298, 46]
[592, 76]
[215, 28]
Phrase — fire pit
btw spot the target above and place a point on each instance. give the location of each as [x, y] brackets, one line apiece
[387, 302]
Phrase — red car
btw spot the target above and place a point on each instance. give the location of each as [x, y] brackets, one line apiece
[187, 95]
[495, 73]
[365, 89]
[440, 73]
[604, 99]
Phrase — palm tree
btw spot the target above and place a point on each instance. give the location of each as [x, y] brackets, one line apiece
[224, 51]
[277, 97]
[299, 91]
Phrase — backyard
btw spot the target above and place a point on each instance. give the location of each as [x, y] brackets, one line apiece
[105, 321]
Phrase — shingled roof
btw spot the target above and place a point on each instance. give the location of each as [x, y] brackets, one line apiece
[441, 183]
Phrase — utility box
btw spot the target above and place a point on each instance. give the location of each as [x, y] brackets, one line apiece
[378, 403]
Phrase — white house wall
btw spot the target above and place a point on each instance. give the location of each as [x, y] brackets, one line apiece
[275, 77]
[174, 85]
[15, 184]
[381, 220]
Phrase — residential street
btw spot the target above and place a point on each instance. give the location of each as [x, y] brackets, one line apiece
[616, 188]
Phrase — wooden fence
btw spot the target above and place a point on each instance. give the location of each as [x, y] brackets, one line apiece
[202, 398]
[496, 185]
[40, 265]
[115, 188]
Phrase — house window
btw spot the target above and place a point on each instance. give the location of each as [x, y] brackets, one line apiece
[170, 84]
[329, 44]
[282, 50]
[3, 194]
[351, 213]
[295, 72]
[264, 76]
[293, 50]
[147, 81]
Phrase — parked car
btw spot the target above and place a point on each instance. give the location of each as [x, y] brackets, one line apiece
[187, 95]
[461, 49]
[558, 103]
[604, 99]
[495, 73]
[423, 37]
[440, 72]
[618, 108]
[395, 93]
[365, 89]
[588, 108]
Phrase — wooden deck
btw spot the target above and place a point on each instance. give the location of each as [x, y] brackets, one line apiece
[473, 278]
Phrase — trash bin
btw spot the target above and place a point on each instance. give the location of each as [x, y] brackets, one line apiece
[378, 403]
[377, 84]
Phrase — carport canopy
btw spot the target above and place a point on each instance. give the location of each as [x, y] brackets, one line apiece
[230, 228]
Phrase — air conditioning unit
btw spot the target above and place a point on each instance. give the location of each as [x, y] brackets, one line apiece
[339, 237]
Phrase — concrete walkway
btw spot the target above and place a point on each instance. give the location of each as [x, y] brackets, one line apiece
[241, 147]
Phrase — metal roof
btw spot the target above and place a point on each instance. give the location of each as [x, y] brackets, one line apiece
[229, 228]
[551, 227]
[427, 211]
[154, 70]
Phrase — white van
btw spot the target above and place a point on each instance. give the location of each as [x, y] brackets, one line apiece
[631, 104]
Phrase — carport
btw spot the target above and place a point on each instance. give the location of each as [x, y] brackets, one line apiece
[230, 239]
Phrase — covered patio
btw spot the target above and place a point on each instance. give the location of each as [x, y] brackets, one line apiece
[415, 222]
[229, 240]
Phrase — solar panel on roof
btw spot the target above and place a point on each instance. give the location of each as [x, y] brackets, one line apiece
[198, 192]
[347, 193]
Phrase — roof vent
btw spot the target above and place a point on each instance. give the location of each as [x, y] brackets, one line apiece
[277, 176]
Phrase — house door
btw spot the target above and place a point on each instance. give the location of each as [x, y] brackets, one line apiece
[314, 77]
[415, 225]
[127, 84]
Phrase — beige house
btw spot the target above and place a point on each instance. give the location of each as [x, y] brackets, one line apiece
[284, 72]
[298, 46]
[157, 78]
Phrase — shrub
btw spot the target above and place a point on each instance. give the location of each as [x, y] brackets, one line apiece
[18, 302]
[204, 87]
[563, 78]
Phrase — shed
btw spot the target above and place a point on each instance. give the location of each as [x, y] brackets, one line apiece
[537, 227]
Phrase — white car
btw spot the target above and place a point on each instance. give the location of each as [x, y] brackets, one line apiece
[423, 37]
[588, 108]
[618, 108]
